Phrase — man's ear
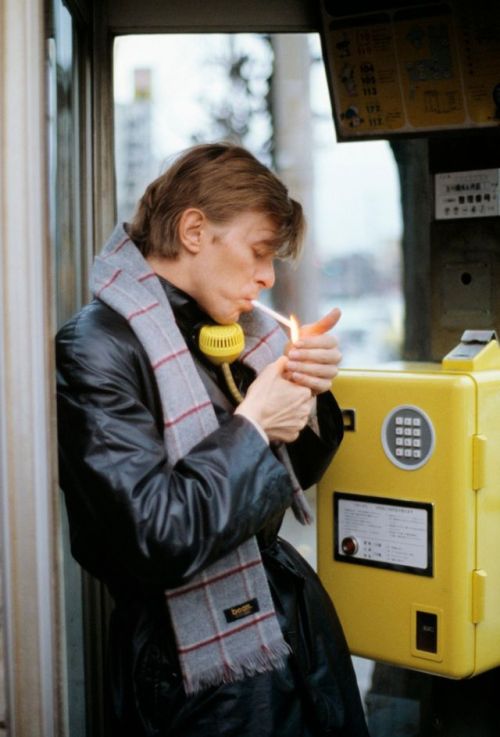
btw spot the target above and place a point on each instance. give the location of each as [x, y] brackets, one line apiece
[191, 227]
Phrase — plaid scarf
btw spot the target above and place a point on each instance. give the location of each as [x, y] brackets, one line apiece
[224, 621]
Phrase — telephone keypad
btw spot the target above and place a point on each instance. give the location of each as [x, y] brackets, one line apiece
[408, 437]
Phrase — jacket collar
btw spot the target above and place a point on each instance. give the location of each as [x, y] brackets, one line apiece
[188, 314]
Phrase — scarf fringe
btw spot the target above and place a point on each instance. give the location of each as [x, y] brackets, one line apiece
[270, 657]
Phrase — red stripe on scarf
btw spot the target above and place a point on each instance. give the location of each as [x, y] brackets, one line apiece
[249, 596]
[169, 423]
[213, 614]
[109, 282]
[146, 276]
[223, 635]
[170, 357]
[142, 311]
[261, 341]
[231, 571]
[117, 248]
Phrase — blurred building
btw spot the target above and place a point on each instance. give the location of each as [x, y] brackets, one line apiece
[136, 164]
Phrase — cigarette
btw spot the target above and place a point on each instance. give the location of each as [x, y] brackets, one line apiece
[280, 318]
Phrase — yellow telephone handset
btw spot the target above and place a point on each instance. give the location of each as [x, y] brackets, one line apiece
[223, 344]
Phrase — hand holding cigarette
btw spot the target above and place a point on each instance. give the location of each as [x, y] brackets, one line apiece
[314, 358]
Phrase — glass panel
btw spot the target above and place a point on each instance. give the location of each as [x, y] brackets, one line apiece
[65, 165]
[66, 241]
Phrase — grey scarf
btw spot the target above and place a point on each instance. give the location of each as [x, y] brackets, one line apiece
[224, 621]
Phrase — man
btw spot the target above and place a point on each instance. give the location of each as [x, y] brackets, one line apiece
[175, 492]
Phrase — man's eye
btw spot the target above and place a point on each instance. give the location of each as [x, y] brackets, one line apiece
[262, 252]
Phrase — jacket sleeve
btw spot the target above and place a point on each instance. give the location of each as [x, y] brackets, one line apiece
[311, 453]
[131, 512]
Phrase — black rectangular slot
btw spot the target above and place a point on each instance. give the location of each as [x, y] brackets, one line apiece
[349, 419]
[427, 631]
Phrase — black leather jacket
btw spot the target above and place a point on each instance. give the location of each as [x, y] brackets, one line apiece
[141, 526]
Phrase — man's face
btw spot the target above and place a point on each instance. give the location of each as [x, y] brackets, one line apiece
[234, 263]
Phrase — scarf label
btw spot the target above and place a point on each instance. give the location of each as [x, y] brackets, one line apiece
[241, 610]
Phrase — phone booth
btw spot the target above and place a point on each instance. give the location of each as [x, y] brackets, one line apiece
[409, 512]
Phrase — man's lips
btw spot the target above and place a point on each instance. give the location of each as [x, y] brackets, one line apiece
[247, 302]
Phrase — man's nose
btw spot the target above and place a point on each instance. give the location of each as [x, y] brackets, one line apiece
[265, 275]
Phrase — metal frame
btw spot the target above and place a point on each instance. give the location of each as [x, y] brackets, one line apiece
[220, 16]
[28, 504]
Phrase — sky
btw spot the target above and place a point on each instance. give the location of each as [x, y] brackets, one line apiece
[356, 191]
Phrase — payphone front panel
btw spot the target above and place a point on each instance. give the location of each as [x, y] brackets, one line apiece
[409, 517]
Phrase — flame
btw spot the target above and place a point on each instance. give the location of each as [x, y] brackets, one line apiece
[294, 329]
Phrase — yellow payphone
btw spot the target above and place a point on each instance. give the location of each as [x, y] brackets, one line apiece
[409, 512]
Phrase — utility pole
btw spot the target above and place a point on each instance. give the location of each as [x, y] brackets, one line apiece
[296, 286]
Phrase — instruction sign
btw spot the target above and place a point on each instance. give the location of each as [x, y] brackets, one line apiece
[467, 194]
[383, 533]
[413, 69]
